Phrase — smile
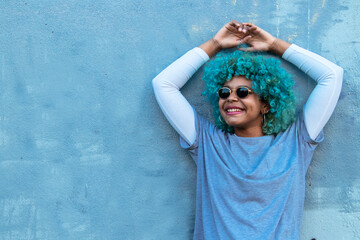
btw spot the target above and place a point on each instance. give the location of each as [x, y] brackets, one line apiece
[232, 111]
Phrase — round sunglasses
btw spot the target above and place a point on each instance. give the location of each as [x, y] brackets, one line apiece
[241, 92]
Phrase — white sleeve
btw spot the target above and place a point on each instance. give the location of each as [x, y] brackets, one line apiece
[173, 104]
[323, 98]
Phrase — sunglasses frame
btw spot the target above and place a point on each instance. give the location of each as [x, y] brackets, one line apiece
[249, 91]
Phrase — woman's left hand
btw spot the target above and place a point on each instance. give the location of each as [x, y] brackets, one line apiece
[259, 40]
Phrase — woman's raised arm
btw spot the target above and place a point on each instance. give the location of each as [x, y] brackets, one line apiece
[328, 76]
[167, 84]
[322, 101]
[173, 104]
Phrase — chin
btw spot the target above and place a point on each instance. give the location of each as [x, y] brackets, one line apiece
[233, 123]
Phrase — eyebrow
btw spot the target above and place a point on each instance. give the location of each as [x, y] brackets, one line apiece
[238, 86]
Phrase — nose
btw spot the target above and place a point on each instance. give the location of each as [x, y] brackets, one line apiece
[233, 97]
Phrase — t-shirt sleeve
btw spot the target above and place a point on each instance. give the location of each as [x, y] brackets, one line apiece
[304, 134]
[306, 142]
[202, 126]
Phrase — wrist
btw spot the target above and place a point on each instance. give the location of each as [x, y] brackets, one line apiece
[211, 47]
[279, 46]
[218, 46]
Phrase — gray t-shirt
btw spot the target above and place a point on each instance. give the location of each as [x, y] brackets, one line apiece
[250, 188]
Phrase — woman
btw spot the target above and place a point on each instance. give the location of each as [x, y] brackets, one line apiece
[251, 165]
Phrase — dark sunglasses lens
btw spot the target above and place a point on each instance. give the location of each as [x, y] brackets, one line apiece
[224, 93]
[242, 92]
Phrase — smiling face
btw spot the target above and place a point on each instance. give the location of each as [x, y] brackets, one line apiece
[244, 114]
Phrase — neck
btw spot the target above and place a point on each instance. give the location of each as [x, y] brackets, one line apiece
[249, 132]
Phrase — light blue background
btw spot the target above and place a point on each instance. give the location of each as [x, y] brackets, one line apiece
[85, 152]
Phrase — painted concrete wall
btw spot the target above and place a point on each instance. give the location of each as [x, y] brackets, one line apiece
[85, 152]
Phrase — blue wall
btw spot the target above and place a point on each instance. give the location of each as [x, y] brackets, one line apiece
[85, 152]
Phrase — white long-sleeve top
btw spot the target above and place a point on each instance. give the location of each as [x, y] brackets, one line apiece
[317, 110]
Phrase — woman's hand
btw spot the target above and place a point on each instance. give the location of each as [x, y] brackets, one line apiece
[231, 35]
[227, 37]
[234, 33]
[260, 40]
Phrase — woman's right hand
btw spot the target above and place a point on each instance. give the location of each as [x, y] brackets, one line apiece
[232, 34]
[227, 37]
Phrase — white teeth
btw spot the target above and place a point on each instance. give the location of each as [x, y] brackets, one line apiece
[233, 110]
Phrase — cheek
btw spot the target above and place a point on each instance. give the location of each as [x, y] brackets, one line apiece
[254, 102]
[220, 104]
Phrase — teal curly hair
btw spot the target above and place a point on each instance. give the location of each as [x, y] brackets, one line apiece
[269, 81]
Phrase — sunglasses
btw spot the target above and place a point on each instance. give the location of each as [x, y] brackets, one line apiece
[241, 92]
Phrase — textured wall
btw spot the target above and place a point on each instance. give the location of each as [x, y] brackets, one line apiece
[85, 152]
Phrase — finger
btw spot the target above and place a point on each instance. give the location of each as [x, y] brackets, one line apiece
[235, 23]
[252, 27]
[254, 30]
[246, 29]
[248, 49]
[245, 39]
[243, 28]
[239, 27]
[232, 28]
[249, 24]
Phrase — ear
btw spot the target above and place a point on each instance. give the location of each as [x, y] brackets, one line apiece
[265, 108]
